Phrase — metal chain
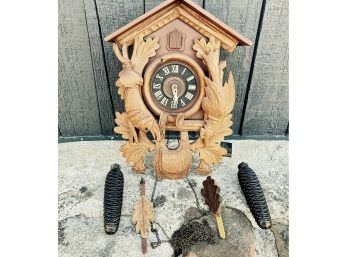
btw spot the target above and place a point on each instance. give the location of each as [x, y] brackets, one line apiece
[194, 192]
[154, 188]
[154, 230]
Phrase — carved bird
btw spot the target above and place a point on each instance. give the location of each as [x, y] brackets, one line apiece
[130, 82]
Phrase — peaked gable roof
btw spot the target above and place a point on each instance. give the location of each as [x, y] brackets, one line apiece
[187, 11]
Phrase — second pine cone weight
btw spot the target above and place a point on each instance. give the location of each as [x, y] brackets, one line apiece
[254, 195]
[113, 195]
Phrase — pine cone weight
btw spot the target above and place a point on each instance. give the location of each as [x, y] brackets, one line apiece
[254, 196]
[113, 195]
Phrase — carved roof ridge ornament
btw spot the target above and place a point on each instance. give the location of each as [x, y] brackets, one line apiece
[185, 10]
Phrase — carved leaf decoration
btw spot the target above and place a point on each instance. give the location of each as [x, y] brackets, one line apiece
[143, 215]
[143, 50]
[217, 104]
[212, 153]
[123, 57]
[212, 103]
[123, 127]
[210, 192]
[229, 93]
[219, 100]
[210, 53]
[134, 152]
[224, 129]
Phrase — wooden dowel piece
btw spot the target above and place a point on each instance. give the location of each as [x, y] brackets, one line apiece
[220, 225]
[143, 245]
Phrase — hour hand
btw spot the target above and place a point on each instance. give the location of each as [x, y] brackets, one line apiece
[175, 92]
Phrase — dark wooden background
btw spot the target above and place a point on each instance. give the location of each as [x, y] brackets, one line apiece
[88, 68]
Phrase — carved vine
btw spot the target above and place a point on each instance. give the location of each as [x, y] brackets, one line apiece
[217, 106]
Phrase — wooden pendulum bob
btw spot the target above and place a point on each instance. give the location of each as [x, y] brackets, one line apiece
[173, 81]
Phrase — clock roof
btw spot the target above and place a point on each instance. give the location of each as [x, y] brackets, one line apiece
[185, 10]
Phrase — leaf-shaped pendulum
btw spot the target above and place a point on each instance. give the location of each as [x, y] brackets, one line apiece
[142, 216]
[210, 192]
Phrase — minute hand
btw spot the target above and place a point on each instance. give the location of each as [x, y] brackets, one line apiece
[175, 94]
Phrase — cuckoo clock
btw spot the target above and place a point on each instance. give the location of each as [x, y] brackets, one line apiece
[172, 80]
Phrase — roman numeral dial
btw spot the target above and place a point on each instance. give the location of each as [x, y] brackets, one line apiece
[174, 87]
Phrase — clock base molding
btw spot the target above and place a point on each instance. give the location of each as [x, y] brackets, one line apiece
[188, 125]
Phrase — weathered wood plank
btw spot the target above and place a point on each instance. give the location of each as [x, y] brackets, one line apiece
[243, 16]
[113, 14]
[267, 106]
[106, 111]
[150, 4]
[78, 107]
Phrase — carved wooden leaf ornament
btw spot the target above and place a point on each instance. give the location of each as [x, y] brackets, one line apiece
[212, 154]
[122, 126]
[143, 213]
[210, 192]
[142, 216]
[134, 152]
[143, 50]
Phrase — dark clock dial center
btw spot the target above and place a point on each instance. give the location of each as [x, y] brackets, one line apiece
[174, 87]
[174, 84]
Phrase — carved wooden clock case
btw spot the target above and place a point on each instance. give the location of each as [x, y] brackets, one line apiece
[173, 81]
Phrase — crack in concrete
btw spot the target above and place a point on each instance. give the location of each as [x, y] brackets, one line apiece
[281, 239]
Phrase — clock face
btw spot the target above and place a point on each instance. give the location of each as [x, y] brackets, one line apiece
[174, 87]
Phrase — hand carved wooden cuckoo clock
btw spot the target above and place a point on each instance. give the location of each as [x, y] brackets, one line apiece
[173, 81]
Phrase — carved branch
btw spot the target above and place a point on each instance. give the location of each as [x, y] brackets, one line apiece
[217, 105]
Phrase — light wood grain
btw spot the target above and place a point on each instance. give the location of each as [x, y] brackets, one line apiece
[243, 16]
[196, 17]
[220, 225]
[78, 107]
[267, 108]
[143, 215]
[217, 105]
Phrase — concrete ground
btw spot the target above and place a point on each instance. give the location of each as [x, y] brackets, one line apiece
[82, 170]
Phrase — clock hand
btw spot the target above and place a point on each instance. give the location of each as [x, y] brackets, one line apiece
[175, 92]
